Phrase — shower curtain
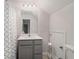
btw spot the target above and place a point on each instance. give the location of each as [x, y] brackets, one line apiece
[10, 32]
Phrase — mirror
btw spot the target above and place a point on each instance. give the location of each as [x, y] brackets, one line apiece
[29, 22]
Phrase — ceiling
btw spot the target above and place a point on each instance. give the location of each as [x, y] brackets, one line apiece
[49, 6]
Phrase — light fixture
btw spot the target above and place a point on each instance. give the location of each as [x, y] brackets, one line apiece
[29, 5]
[34, 5]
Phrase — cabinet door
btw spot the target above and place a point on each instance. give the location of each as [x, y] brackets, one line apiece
[38, 57]
[38, 49]
[25, 52]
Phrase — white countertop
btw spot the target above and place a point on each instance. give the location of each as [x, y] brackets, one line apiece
[27, 37]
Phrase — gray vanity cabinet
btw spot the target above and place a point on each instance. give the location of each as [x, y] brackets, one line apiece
[30, 49]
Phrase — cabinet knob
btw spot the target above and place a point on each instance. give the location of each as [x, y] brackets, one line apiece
[59, 58]
[61, 47]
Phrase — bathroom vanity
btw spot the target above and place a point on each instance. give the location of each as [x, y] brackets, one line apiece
[29, 47]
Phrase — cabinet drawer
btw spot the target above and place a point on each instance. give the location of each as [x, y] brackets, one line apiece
[38, 41]
[38, 49]
[25, 42]
[38, 57]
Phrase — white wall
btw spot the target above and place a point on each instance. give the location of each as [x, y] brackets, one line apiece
[19, 21]
[43, 28]
[63, 21]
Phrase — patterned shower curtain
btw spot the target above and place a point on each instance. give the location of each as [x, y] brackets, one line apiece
[10, 32]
